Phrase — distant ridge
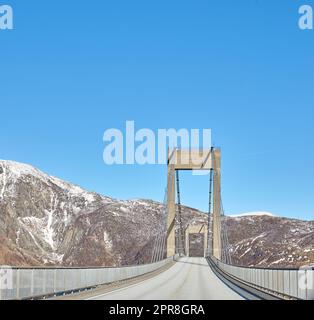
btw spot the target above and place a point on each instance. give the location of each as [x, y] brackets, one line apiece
[257, 213]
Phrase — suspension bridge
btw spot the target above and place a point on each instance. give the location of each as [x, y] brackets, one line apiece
[188, 261]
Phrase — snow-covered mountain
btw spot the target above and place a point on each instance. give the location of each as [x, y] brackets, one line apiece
[269, 241]
[44, 220]
[257, 213]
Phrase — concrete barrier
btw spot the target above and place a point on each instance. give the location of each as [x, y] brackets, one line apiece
[289, 283]
[26, 283]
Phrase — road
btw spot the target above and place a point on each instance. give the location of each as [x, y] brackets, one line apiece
[189, 278]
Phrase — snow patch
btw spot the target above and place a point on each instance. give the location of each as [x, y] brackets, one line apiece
[73, 190]
[246, 251]
[260, 236]
[115, 214]
[278, 261]
[107, 240]
[4, 181]
[48, 230]
[18, 232]
[259, 213]
[15, 171]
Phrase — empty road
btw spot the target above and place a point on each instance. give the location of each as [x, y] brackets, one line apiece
[189, 278]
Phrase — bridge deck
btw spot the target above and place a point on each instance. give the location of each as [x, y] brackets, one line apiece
[189, 278]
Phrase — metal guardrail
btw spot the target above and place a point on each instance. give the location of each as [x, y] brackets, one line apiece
[284, 283]
[26, 283]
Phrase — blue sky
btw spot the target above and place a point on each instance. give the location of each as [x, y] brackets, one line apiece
[70, 70]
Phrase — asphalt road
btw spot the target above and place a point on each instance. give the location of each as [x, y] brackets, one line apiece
[189, 278]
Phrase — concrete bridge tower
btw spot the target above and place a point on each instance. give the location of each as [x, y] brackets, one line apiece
[194, 160]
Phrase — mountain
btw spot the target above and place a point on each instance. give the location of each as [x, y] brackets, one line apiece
[47, 221]
[44, 220]
[258, 213]
[269, 241]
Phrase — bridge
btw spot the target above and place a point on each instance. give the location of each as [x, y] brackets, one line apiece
[188, 261]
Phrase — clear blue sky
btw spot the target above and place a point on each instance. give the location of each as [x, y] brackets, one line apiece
[72, 69]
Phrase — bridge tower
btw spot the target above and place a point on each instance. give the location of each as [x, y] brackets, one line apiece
[196, 229]
[194, 160]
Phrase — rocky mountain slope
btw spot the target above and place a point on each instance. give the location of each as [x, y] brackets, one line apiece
[268, 241]
[46, 221]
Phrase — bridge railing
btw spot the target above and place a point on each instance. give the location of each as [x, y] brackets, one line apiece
[286, 283]
[27, 283]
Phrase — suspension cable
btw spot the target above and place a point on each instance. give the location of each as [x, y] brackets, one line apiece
[158, 251]
[209, 240]
[226, 245]
[180, 233]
